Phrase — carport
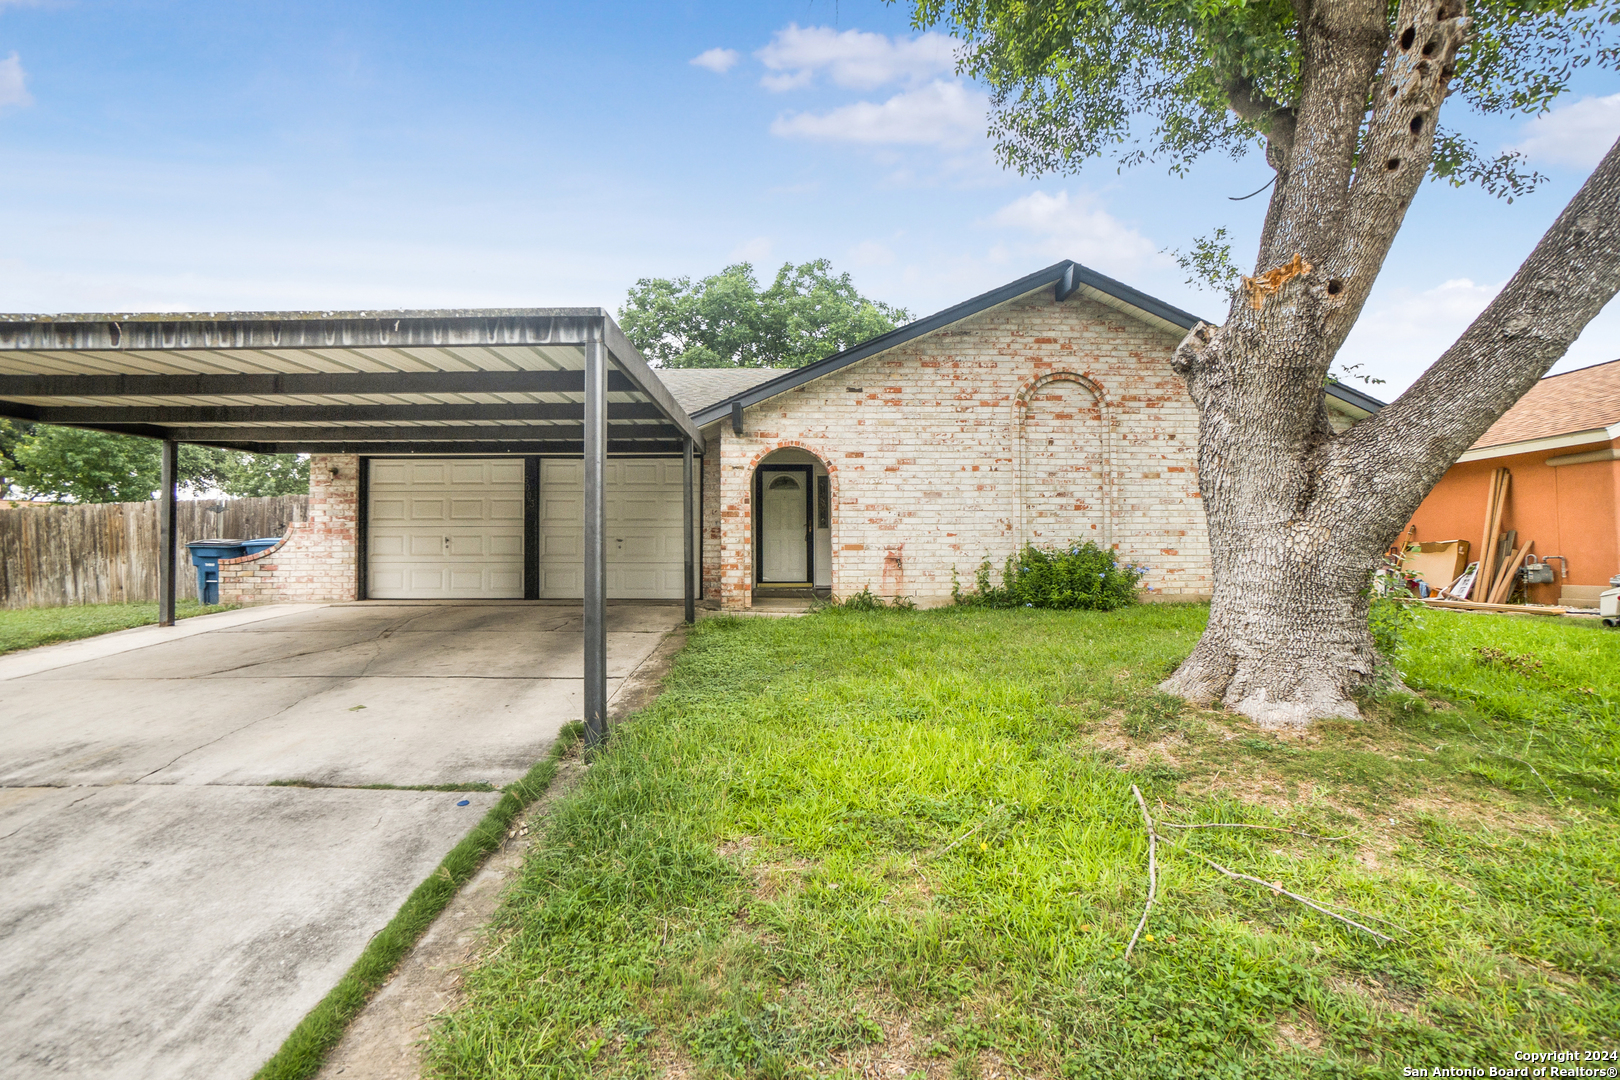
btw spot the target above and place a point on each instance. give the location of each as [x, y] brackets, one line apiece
[524, 383]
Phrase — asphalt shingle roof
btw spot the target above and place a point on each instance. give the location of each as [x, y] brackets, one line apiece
[698, 388]
[1560, 404]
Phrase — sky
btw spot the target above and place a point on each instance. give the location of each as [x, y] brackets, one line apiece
[173, 156]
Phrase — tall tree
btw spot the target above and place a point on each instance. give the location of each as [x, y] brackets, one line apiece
[1345, 97]
[726, 320]
[71, 464]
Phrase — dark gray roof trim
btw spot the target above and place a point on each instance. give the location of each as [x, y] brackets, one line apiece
[1066, 277]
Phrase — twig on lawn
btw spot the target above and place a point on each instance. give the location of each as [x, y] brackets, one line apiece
[1233, 825]
[1277, 888]
[982, 823]
[1153, 868]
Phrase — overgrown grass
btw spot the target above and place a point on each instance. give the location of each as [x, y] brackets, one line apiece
[904, 843]
[25, 628]
[306, 1048]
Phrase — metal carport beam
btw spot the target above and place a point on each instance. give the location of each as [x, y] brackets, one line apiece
[594, 593]
[306, 383]
[331, 414]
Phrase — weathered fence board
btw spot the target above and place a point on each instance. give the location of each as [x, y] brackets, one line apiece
[107, 553]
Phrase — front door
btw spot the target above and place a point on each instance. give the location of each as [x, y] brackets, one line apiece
[784, 538]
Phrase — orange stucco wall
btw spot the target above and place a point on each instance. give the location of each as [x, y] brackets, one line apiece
[1568, 510]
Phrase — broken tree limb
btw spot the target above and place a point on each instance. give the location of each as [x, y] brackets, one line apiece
[1153, 868]
[1234, 825]
[1276, 888]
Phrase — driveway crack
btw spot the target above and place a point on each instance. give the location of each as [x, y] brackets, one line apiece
[223, 735]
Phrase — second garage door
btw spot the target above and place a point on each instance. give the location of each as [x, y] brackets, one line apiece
[644, 553]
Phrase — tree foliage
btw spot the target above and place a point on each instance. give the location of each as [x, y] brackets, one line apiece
[1173, 80]
[726, 320]
[43, 461]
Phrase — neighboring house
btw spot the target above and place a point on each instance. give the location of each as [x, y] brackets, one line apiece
[1561, 445]
[447, 459]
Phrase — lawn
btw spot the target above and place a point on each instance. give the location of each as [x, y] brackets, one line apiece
[25, 628]
[905, 844]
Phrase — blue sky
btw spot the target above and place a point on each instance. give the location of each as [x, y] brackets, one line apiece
[191, 156]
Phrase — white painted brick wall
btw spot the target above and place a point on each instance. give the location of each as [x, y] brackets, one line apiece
[934, 449]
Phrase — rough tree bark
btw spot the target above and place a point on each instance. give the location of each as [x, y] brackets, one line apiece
[1299, 517]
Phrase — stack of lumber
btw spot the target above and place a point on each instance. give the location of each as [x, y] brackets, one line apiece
[1500, 555]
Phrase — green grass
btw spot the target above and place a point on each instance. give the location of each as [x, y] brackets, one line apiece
[306, 1048]
[905, 843]
[26, 628]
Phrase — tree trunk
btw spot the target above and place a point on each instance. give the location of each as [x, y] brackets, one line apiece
[1299, 517]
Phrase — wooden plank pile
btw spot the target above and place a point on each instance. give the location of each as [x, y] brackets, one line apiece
[1487, 585]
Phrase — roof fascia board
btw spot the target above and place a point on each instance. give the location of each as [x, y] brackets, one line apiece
[271, 330]
[1550, 442]
[635, 366]
[884, 342]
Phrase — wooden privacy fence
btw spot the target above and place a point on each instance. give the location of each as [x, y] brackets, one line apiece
[107, 553]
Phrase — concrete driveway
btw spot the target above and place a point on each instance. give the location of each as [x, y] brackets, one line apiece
[165, 912]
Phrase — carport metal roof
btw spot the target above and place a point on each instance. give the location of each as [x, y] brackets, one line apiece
[561, 381]
[509, 381]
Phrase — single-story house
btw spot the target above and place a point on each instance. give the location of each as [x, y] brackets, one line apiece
[448, 461]
[1561, 446]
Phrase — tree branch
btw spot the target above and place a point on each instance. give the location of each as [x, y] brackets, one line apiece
[1272, 117]
[1420, 59]
[1391, 460]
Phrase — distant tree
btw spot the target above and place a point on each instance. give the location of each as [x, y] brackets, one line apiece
[11, 434]
[69, 464]
[725, 320]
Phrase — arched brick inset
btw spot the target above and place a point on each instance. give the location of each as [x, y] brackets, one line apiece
[1064, 489]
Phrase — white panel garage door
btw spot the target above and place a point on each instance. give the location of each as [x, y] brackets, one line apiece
[644, 555]
[450, 529]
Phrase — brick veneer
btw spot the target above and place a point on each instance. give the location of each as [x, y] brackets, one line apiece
[318, 559]
[953, 447]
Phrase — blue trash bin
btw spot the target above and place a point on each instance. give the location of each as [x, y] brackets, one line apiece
[205, 556]
[263, 543]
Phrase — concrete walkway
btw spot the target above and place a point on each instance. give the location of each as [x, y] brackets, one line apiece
[167, 914]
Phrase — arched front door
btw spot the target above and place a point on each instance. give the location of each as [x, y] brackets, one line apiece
[785, 546]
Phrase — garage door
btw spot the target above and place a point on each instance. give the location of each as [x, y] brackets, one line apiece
[644, 553]
[450, 529]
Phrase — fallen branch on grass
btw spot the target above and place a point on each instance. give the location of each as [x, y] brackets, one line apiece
[1153, 868]
[1277, 888]
[1234, 825]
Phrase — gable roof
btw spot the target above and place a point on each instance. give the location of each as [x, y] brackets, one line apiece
[697, 388]
[1066, 278]
[1583, 400]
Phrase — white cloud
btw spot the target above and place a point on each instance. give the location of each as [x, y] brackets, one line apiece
[718, 61]
[854, 59]
[13, 83]
[757, 250]
[1077, 228]
[1577, 135]
[1400, 333]
[938, 114]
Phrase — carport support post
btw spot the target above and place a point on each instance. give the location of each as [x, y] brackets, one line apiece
[166, 539]
[688, 561]
[595, 542]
